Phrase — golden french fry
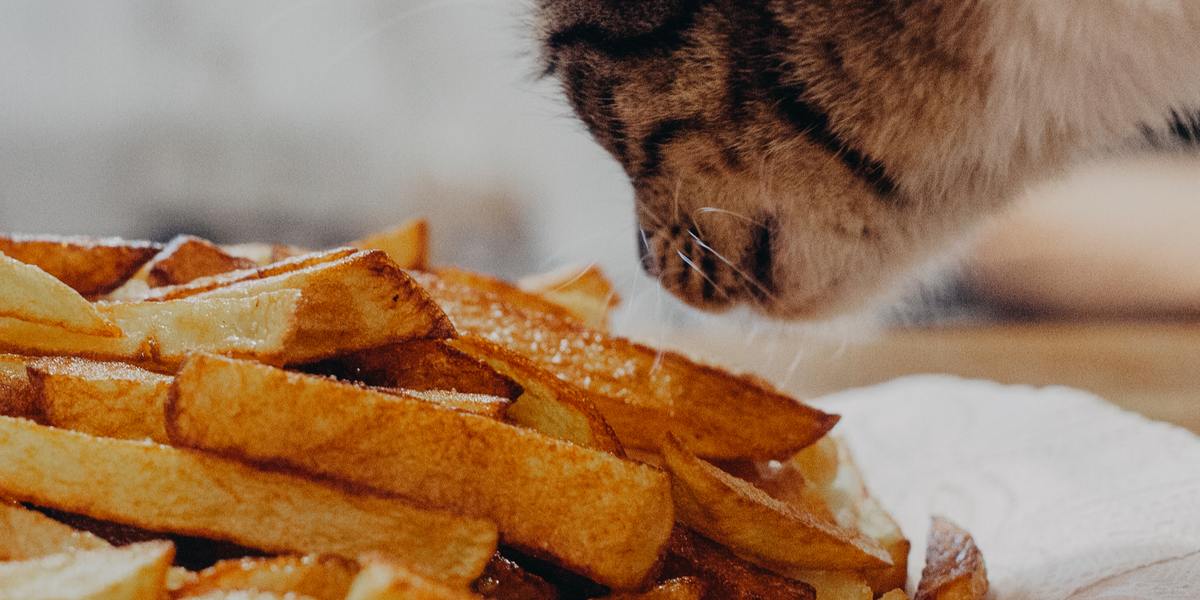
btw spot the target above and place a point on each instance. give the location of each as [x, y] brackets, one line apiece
[583, 291]
[725, 575]
[264, 254]
[547, 404]
[243, 595]
[757, 526]
[16, 395]
[954, 566]
[419, 365]
[187, 258]
[896, 594]
[259, 326]
[106, 399]
[599, 515]
[504, 579]
[385, 579]
[318, 577]
[168, 489]
[407, 244]
[835, 585]
[642, 393]
[477, 404]
[26, 534]
[30, 294]
[89, 265]
[680, 588]
[133, 572]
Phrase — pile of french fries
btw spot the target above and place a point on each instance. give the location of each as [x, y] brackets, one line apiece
[258, 421]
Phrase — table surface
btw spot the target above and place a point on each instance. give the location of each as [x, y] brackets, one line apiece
[1149, 367]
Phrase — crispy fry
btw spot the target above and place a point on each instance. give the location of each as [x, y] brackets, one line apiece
[954, 567]
[105, 399]
[420, 365]
[383, 579]
[167, 489]
[26, 534]
[602, 516]
[583, 291]
[407, 244]
[187, 257]
[641, 392]
[30, 294]
[16, 395]
[547, 404]
[264, 254]
[753, 524]
[319, 577]
[680, 588]
[91, 266]
[896, 594]
[835, 585]
[270, 271]
[506, 580]
[165, 332]
[133, 572]
[244, 595]
[726, 576]
[492, 407]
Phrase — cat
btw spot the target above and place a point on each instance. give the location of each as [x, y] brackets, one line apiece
[801, 156]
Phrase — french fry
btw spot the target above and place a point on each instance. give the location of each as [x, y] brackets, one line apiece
[105, 399]
[757, 526]
[16, 395]
[384, 579]
[264, 254]
[896, 594]
[583, 291]
[681, 588]
[91, 266]
[954, 566]
[27, 534]
[30, 294]
[271, 271]
[725, 575]
[187, 258]
[835, 585]
[599, 515]
[407, 244]
[642, 393]
[244, 595]
[547, 404]
[318, 577]
[504, 579]
[165, 332]
[420, 365]
[168, 489]
[133, 572]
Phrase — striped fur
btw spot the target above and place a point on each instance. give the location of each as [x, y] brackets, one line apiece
[801, 155]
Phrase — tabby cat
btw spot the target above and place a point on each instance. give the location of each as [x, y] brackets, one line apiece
[801, 155]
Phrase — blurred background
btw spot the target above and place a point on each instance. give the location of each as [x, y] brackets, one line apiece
[313, 122]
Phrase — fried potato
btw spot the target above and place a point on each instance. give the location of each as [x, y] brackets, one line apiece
[26, 534]
[269, 271]
[30, 294]
[547, 404]
[244, 595]
[108, 399]
[89, 265]
[187, 257]
[599, 515]
[896, 594]
[504, 579]
[318, 577]
[682, 588]
[420, 365]
[642, 393]
[259, 326]
[16, 395]
[133, 572]
[360, 301]
[492, 407]
[757, 526]
[724, 575]
[954, 567]
[264, 254]
[583, 291]
[407, 244]
[168, 489]
[383, 579]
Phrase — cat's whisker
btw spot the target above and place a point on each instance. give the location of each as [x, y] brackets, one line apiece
[737, 270]
[704, 210]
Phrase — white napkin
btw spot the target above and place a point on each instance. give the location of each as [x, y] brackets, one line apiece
[1067, 496]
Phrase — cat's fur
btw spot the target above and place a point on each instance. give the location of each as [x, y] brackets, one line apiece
[802, 154]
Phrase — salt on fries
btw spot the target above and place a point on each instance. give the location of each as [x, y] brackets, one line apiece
[376, 430]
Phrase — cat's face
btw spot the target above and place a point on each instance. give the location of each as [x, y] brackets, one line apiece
[747, 188]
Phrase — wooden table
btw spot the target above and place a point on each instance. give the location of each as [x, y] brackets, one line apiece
[1151, 368]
